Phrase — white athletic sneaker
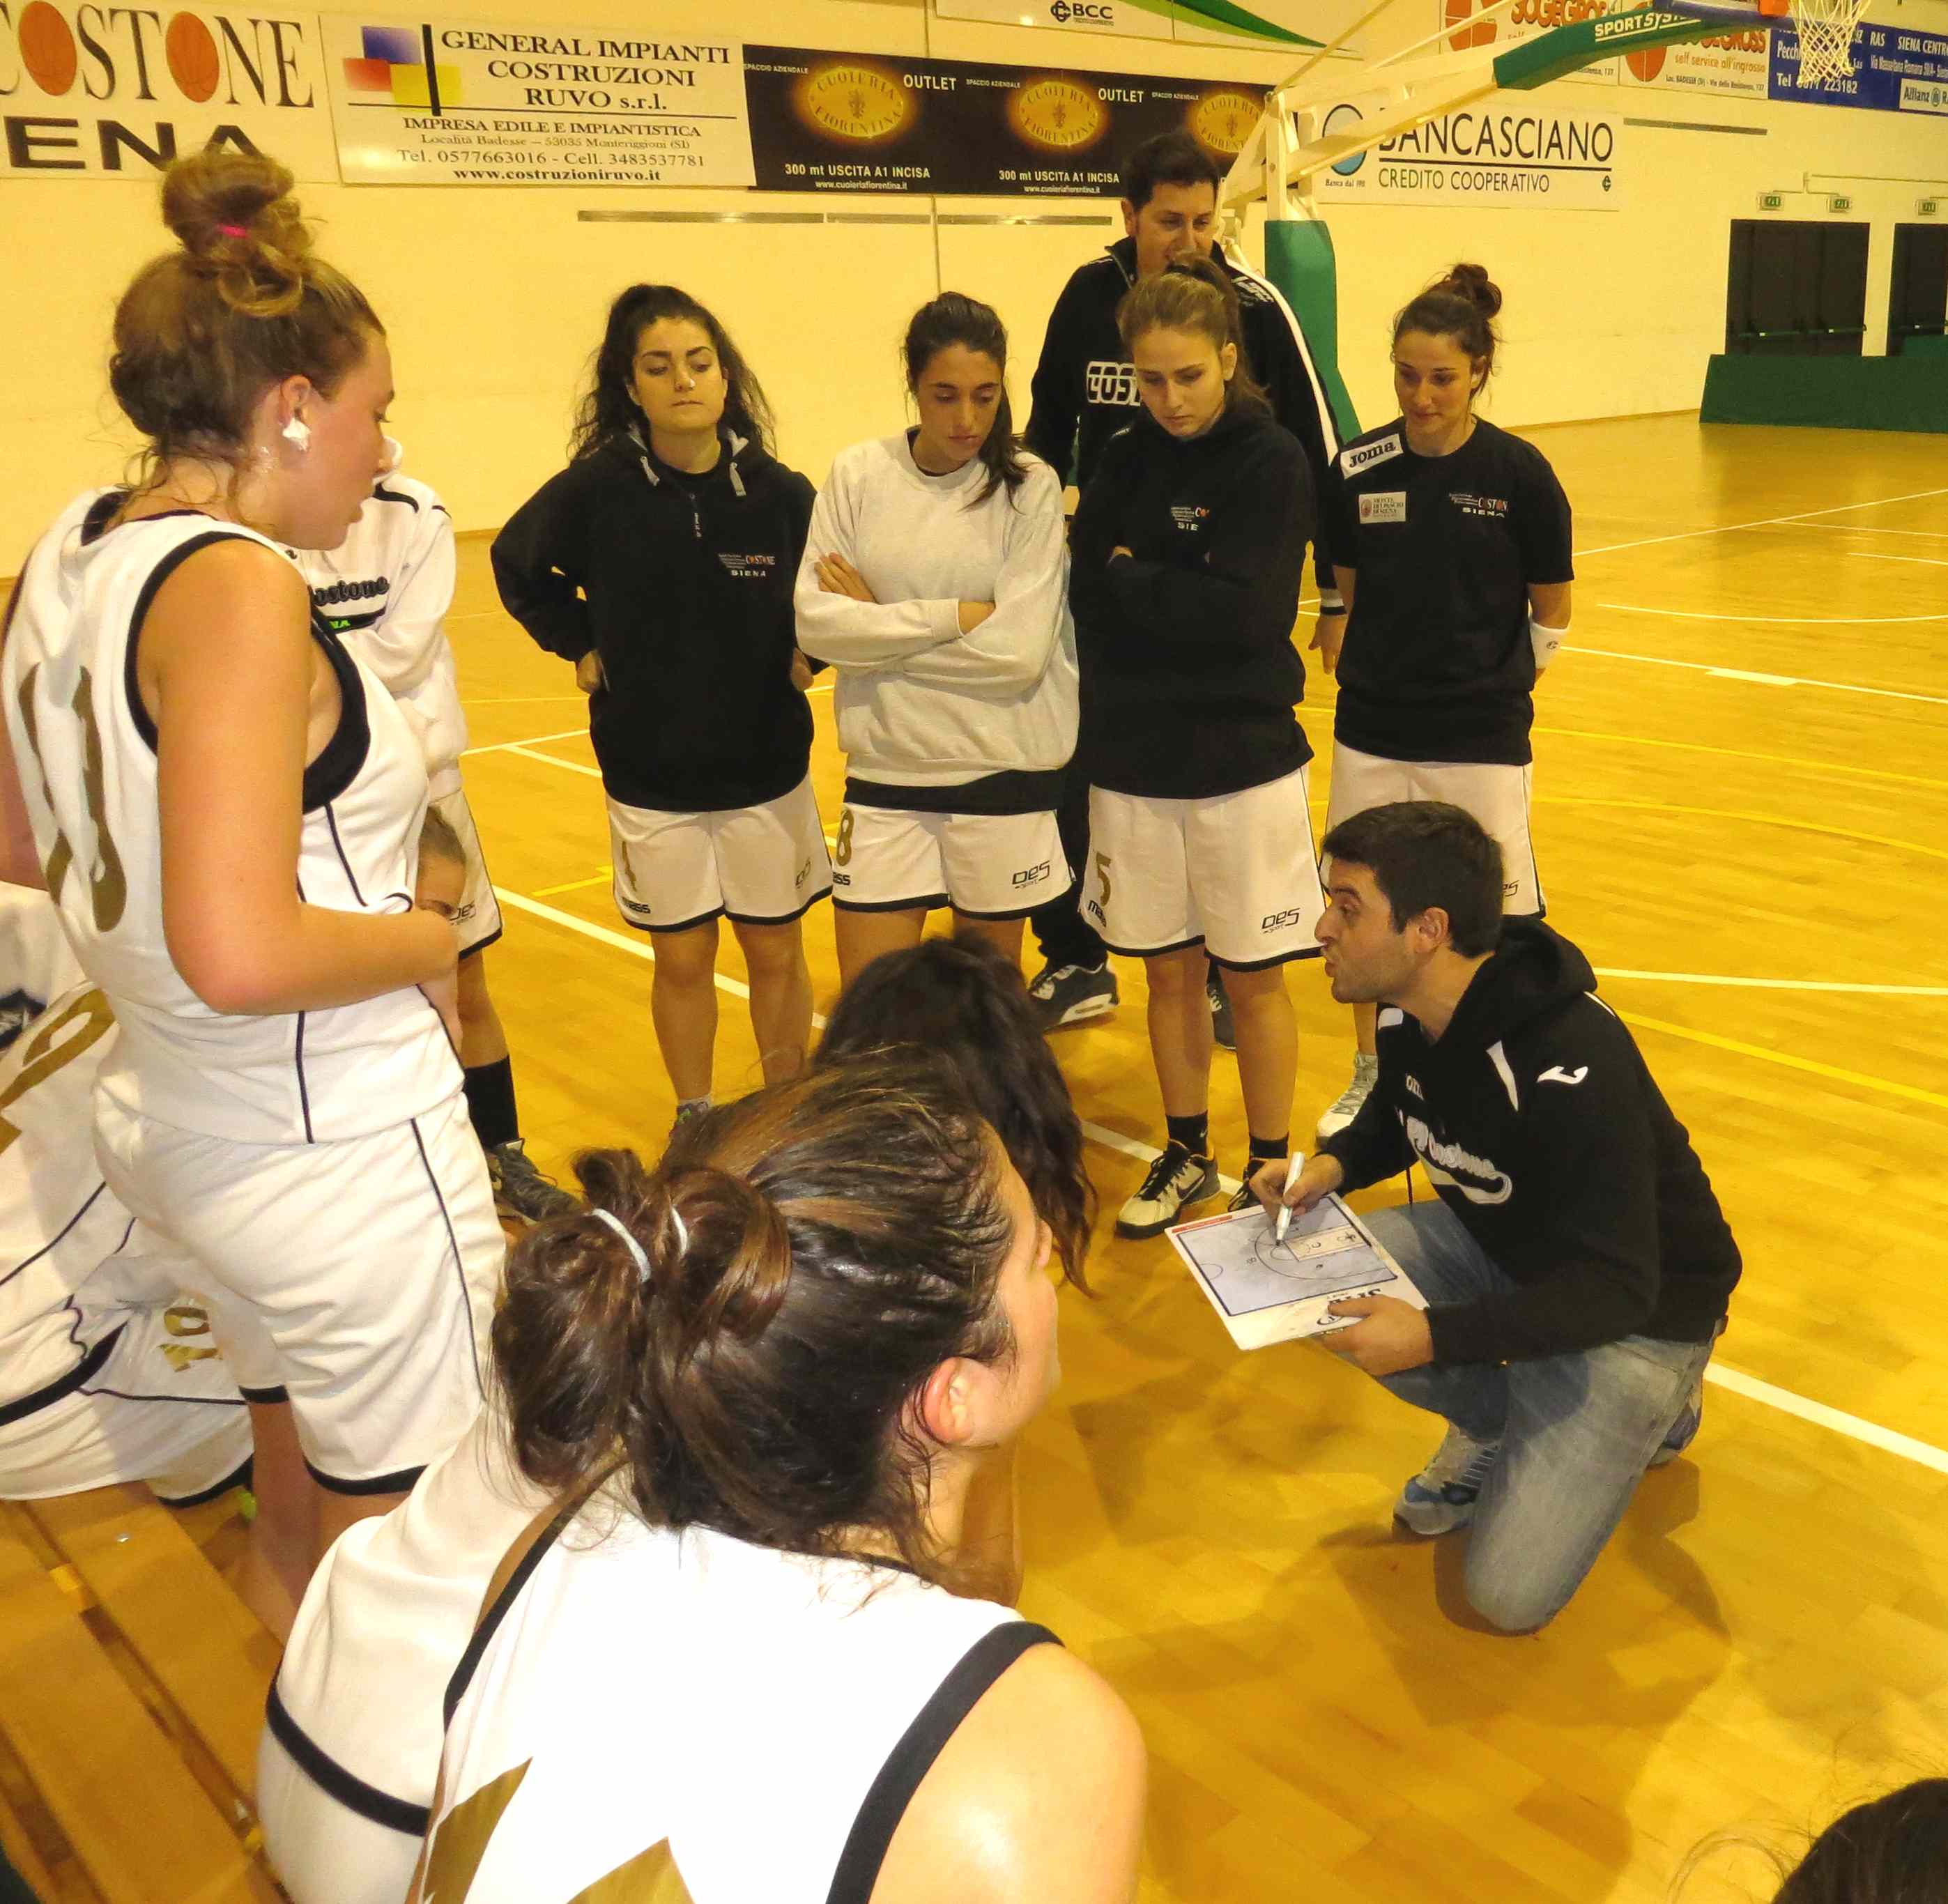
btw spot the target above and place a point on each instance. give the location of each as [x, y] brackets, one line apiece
[1176, 1180]
[1441, 1497]
[1346, 1106]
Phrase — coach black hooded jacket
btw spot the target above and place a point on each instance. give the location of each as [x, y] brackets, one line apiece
[683, 584]
[1544, 1131]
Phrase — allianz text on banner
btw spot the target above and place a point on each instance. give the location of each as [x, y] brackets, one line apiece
[95, 91]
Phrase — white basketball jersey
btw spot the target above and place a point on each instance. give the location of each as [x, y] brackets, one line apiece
[86, 750]
[72, 1261]
[653, 1716]
[385, 590]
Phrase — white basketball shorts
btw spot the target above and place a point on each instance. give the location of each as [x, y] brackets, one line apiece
[1237, 874]
[356, 1279]
[756, 866]
[478, 920]
[984, 865]
[162, 1408]
[1496, 794]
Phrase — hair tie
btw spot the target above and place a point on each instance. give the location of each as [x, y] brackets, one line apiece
[233, 231]
[682, 1230]
[621, 1229]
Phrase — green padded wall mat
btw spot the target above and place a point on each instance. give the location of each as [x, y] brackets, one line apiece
[1905, 393]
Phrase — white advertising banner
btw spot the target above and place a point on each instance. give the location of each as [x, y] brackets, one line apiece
[1508, 150]
[1266, 26]
[98, 92]
[447, 102]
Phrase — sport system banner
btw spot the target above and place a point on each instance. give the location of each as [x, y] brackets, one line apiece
[874, 122]
[98, 91]
[447, 102]
[1506, 151]
[1732, 62]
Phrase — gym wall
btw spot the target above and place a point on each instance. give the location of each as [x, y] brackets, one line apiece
[494, 297]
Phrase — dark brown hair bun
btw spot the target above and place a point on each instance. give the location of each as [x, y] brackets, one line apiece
[1473, 283]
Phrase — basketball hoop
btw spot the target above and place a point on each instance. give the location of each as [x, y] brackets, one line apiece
[1826, 28]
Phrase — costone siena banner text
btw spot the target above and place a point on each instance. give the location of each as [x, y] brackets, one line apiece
[880, 123]
[419, 102]
[96, 91]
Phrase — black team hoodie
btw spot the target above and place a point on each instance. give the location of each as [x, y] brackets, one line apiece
[1084, 389]
[1545, 1134]
[1189, 672]
[683, 585]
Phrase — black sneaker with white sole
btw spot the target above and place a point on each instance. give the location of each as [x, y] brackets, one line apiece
[1224, 1033]
[1176, 1181]
[521, 1190]
[1069, 994]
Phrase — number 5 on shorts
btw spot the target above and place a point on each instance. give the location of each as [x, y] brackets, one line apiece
[1103, 873]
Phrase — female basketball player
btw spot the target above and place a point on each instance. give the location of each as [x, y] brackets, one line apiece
[228, 809]
[1189, 548]
[347, 1765]
[1457, 536]
[660, 562]
[741, 1604]
[934, 581]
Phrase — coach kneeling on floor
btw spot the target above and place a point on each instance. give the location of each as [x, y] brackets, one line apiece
[1577, 1266]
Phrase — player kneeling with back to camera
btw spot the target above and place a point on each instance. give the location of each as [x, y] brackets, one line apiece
[1577, 1266]
[759, 1376]
[345, 1775]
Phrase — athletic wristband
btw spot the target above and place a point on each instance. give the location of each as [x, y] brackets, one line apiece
[1330, 601]
[1545, 641]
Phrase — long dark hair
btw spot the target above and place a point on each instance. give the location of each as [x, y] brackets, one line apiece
[962, 1000]
[954, 318]
[608, 411]
[813, 1253]
[1463, 306]
[1195, 295]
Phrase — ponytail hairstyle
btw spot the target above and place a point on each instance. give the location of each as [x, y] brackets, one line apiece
[608, 412]
[960, 999]
[243, 303]
[950, 319]
[1462, 306]
[1194, 295]
[810, 1255]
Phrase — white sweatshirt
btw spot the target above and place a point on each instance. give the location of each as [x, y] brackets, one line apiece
[918, 702]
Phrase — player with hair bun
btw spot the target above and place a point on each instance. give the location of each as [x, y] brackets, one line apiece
[1188, 550]
[756, 1552]
[1450, 541]
[227, 808]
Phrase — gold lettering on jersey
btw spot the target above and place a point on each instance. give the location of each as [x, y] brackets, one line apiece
[108, 885]
[461, 1843]
[44, 1056]
[182, 1319]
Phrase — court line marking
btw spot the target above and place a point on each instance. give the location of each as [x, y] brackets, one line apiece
[1773, 984]
[1790, 821]
[1772, 681]
[533, 740]
[1801, 761]
[1764, 522]
[1779, 620]
[1768, 1394]
[527, 752]
[1863, 528]
[1886, 1087]
[1873, 555]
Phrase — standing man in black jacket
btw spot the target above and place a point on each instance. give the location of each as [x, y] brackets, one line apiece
[1084, 391]
[1576, 1266]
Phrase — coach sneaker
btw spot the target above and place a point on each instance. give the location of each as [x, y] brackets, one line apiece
[1346, 1106]
[521, 1190]
[1067, 994]
[1177, 1180]
[1224, 1033]
[1441, 1497]
[1683, 1431]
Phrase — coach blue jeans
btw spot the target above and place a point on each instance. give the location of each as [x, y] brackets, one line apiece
[1578, 1430]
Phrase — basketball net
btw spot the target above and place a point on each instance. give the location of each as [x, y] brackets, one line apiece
[1826, 39]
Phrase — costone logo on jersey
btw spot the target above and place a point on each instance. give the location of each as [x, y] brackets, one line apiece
[1107, 382]
[1364, 456]
[1496, 507]
[334, 593]
[758, 564]
[1190, 515]
[1447, 1162]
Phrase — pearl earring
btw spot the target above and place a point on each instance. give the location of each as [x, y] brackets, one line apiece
[298, 431]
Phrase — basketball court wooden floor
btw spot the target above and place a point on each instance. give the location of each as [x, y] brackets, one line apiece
[1742, 817]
